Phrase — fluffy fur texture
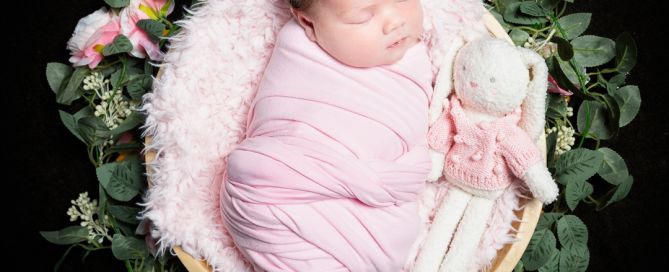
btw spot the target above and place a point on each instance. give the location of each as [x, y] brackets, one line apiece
[198, 105]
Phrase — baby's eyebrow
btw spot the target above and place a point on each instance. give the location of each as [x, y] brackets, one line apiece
[357, 8]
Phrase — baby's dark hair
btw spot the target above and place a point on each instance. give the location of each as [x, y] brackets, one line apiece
[302, 5]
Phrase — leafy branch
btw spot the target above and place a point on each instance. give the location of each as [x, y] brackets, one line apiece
[110, 73]
[589, 71]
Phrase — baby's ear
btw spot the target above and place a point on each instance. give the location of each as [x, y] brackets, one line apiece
[306, 23]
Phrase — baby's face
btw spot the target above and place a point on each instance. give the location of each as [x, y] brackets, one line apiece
[363, 33]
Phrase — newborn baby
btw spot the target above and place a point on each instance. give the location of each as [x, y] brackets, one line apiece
[335, 153]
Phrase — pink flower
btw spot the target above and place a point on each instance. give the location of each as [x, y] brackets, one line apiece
[553, 87]
[91, 35]
[137, 10]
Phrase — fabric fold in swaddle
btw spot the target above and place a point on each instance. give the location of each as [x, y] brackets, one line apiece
[333, 161]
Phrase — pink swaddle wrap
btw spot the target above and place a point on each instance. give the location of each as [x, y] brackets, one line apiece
[333, 161]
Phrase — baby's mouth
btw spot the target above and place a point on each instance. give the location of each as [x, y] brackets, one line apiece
[397, 43]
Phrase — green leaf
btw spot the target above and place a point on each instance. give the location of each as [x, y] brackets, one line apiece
[626, 53]
[549, 4]
[116, 79]
[500, 19]
[166, 7]
[502, 4]
[574, 24]
[613, 169]
[553, 262]
[123, 76]
[66, 236]
[520, 266]
[574, 258]
[93, 130]
[121, 44]
[532, 9]
[103, 202]
[109, 70]
[126, 229]
[555, 69]
[134, 119]
[133, 71]
[539, 249]
[152, 28]
[70, 123]
[629, 100]
[121, 180]
[125, 213]
[126, 248]
[84, 112]
[149, 265]
[117, 3]
[571, 73]
[56, 73]
[547, 219]
[591, 51]
[513, 14]
[71, 91]
[615, 82]
[565, 50]
[613, 111]
[572, 232]
[622, 190]
[577, 190]
[551, 143]
[577, 164]
[592, 116]
[557, 107]
[518, 36]
[139, 85]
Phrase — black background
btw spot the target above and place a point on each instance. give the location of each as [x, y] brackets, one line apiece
[49, 166]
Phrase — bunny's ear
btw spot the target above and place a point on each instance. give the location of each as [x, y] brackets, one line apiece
[533, 116]
[444, 80]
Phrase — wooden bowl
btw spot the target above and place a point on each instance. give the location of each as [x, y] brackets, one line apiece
[506, 258]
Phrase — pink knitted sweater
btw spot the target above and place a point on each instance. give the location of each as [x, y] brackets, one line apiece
[486, 155]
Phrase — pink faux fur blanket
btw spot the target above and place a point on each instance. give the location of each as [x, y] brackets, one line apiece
[333, 163]
[197, 111]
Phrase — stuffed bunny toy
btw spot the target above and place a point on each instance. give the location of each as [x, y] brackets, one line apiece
[481, 139]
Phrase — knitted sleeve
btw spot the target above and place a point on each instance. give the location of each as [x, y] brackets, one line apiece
[440, 135]
[518, 150]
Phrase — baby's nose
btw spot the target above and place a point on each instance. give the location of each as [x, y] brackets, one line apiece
[393, 24]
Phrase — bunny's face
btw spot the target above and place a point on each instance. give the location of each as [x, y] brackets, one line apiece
[490, 76]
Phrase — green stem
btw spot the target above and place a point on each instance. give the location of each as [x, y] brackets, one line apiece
[593, 200]
[531, 29]
[605, 71]
[591, 86]
[572, 62]
[107, 65]
[556, 206]
[548, 38]
[127, 266]
[90, 156]
[587, 125]
[564, 7]
[93, 248]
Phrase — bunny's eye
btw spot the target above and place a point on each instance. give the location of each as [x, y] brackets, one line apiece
[464, 68]
[492, 80]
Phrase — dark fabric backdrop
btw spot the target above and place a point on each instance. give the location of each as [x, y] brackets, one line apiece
[49, 166]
